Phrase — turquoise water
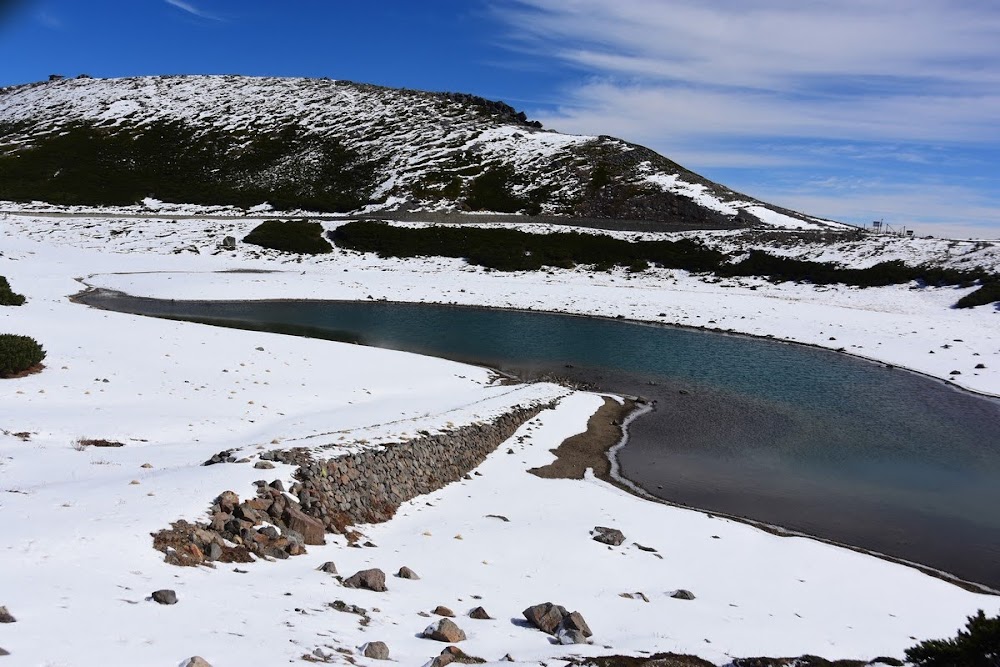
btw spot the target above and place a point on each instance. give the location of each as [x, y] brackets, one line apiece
[799, 437]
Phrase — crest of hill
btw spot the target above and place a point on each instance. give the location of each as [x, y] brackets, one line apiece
[337, 146]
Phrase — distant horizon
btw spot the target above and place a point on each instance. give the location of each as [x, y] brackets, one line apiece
[854, 115]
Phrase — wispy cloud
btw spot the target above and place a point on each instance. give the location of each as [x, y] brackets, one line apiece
[49, 20]
[191, 9]
[708, 84]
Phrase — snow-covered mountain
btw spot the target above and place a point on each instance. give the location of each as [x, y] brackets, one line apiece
[325, 145]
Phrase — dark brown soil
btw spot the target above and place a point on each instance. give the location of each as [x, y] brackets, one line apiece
[589, 449]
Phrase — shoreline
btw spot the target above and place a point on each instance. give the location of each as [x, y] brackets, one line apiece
[91, 290]
[606, 431]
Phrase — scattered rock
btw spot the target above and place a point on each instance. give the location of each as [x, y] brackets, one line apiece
[263, 465]
[372, 580]
[196, 661]
[406, 573]
[3, 652]
[682, 594]
[328, 567]
[480, 614]
[643, 548]
[376, 650]
[444, 630]
[546, 616]
[978, 366]
[165, 596]
[441, 610]
[570, 637]
[609, 536]
[312, 530]
[453, 654]
[498, 516]
[6, 617]
[340, 605]
[574, 621]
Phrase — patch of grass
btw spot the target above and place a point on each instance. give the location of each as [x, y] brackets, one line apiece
[18, 354]
[7, 296]
[301, 236]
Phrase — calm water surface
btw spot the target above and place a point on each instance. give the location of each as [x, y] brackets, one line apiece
[802, 438]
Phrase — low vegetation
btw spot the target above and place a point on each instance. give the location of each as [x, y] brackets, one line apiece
[512, 250]
[978, 645]
[301, 236]
[7, 296]
[19, 354]
[88, 163]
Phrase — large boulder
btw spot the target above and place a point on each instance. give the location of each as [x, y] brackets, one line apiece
[568, 627]
[376, 650]
[372, 580]
[545, 616]
[444, 630]
[610, 536]
[312, 530]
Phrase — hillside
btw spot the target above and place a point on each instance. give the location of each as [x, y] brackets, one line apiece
[336, 146]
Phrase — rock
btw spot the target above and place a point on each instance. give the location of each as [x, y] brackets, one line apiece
[479, 614]
[610, 536]
[444, 630]
[376, 650]
[546, 616]
[453, 654]
[214, 551]
[682, 594]
[328, 567]
[196, 661]
[441, 610]
[6, 617]
[227, 501]
[165, 596]
[406, 573]
[372, 580]
[574, 621]
[571, 637]
[312, 531]
[3, 652]
[263, 465]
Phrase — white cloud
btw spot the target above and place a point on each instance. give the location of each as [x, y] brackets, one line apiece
[191, 9]
[881, 82]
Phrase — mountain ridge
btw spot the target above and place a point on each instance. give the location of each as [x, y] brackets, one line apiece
[337, 146]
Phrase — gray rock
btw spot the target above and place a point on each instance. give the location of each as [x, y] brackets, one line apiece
[574, 621]
[376, 650]
[444, 630]
[196, 661]
[328, 567]
[372, 580]
[214, 551]
[682, 594]
[165, 596]
[546, 616]
[441, 610]
[3, 652]
[263, 465]
[406, 573]
[610, 536]
[479, 614]
[5, 616]
[571, 637]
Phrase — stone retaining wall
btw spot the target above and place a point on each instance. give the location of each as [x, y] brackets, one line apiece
[364, 487]
[368, 487]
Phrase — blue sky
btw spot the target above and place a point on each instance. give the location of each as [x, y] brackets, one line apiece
[855, 110]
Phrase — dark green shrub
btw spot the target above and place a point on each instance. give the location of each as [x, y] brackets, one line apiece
[18, 354]
[976, 646]
[7, 296]
[987, 293]
[299, 236]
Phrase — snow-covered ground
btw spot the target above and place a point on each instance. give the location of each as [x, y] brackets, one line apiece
[76, 559]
